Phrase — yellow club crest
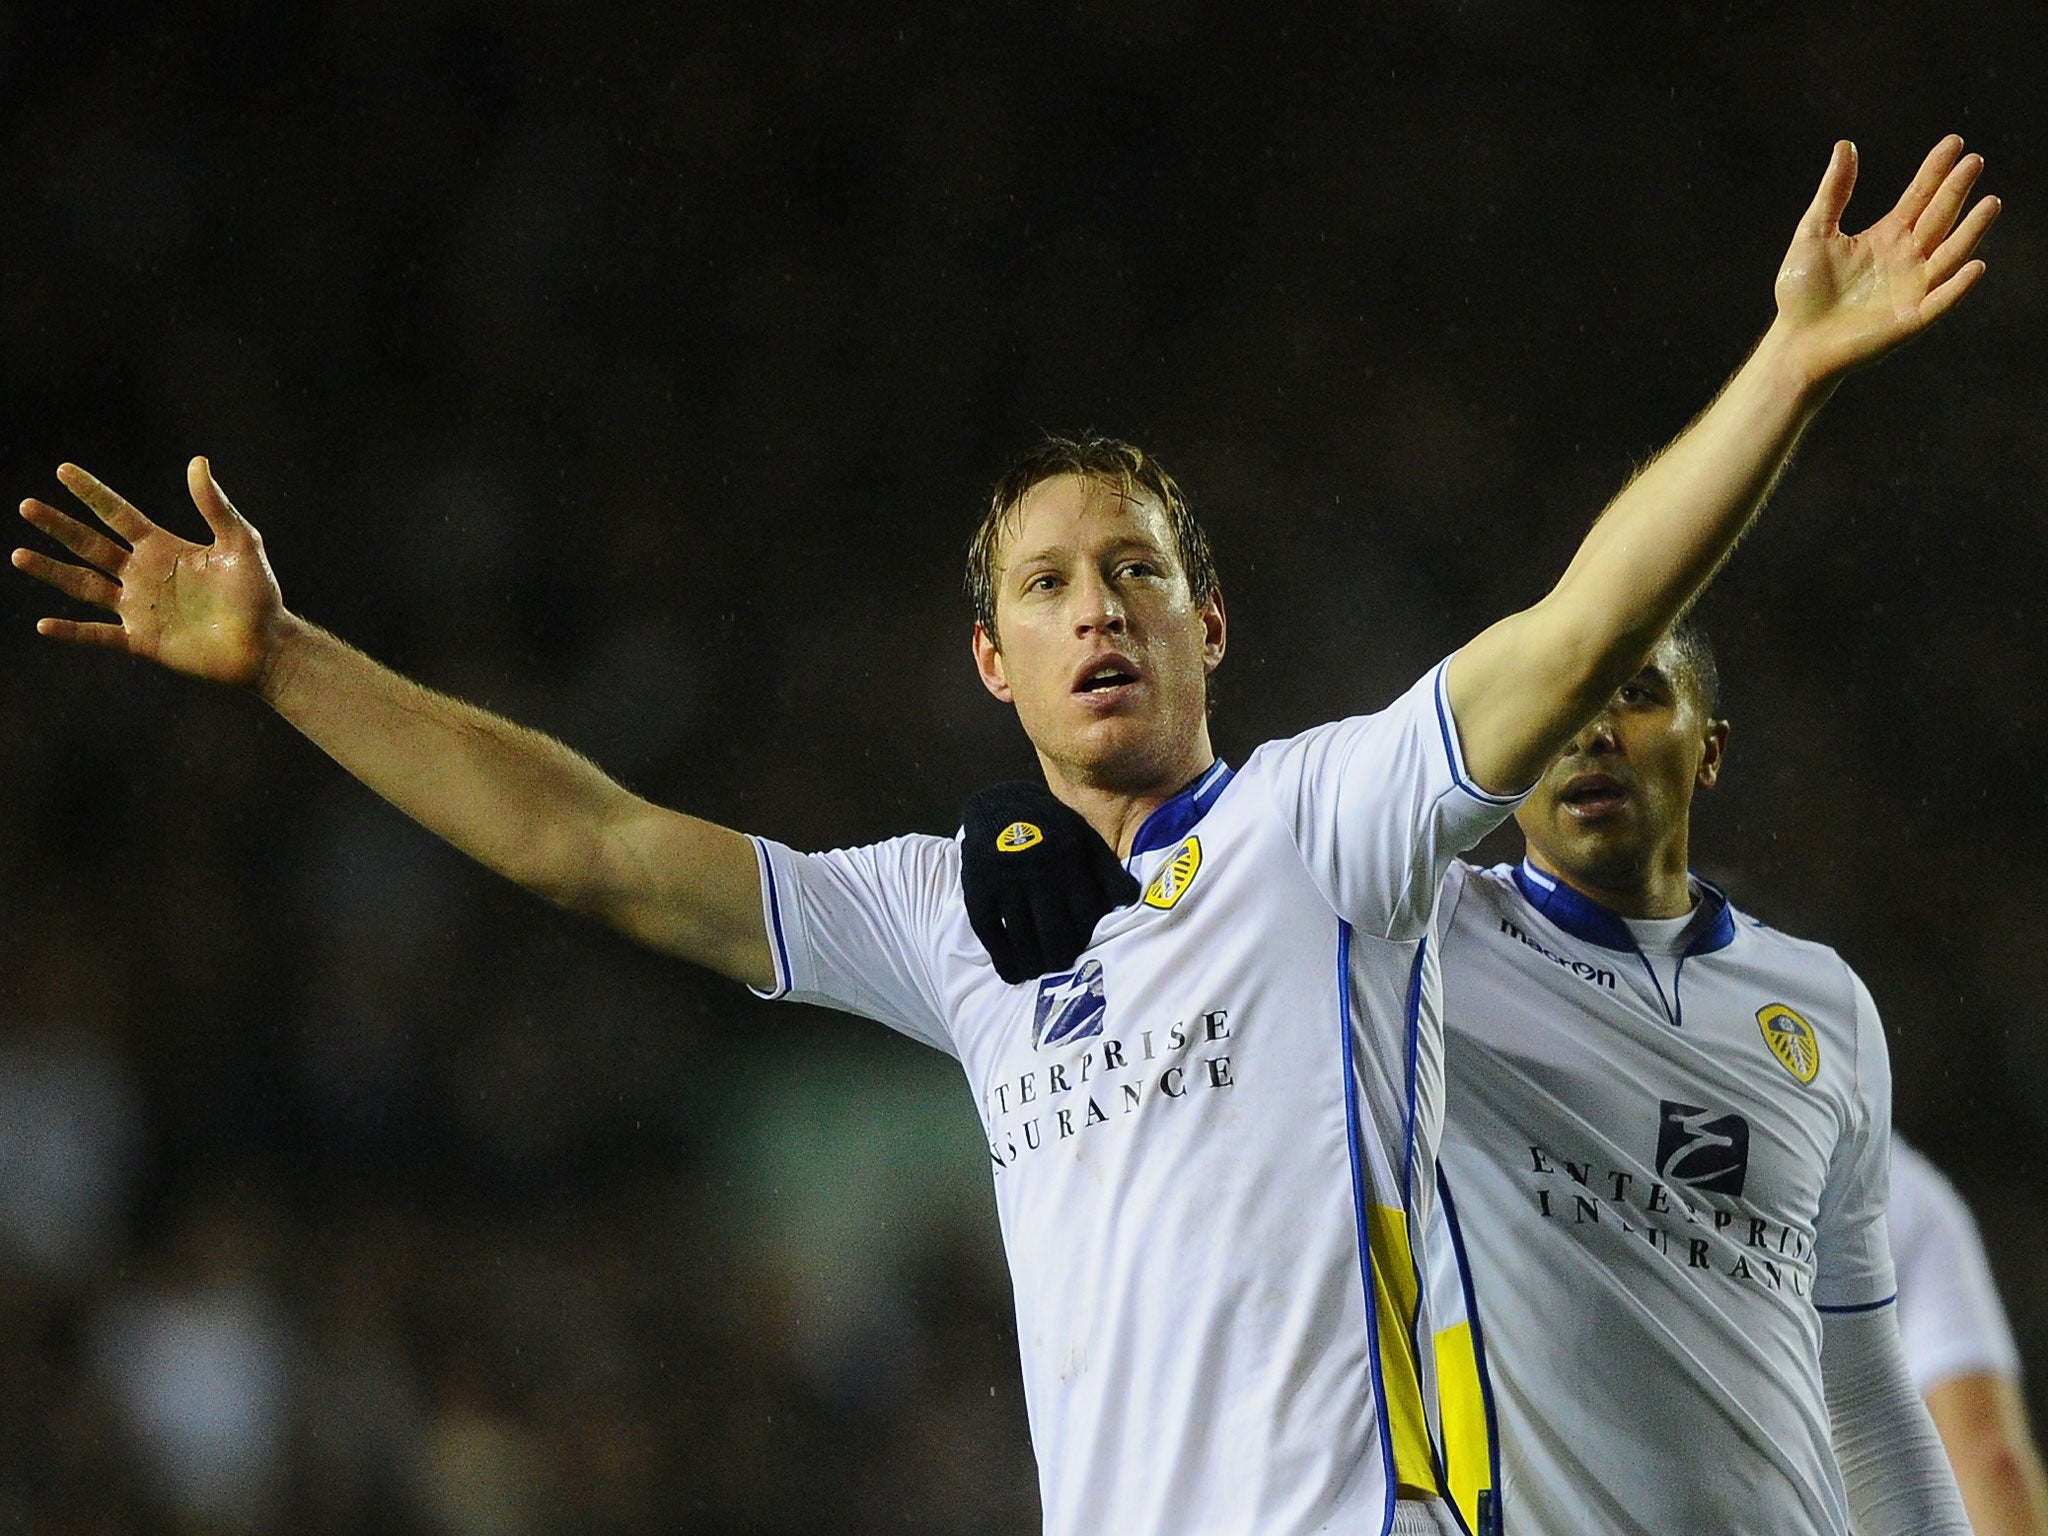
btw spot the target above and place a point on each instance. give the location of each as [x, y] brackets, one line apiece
[1791, 1040]
[1172, 882]
[1018, 836]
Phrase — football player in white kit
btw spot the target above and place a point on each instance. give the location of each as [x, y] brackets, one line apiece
[1960, 1350]
[1213, 1141]
[1667, 1141]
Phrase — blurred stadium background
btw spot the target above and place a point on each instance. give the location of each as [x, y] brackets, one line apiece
[639, 370]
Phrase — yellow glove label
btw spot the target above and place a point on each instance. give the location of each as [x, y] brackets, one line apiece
[1018, 836]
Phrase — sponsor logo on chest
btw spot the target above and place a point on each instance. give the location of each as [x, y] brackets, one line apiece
[1699, 1148]
[1070, 1006]
[1691, 1212]
[1086, 1072]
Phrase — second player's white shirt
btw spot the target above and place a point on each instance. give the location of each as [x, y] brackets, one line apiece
[1951, 1322]
[1661, 1181]
[1213, 1141]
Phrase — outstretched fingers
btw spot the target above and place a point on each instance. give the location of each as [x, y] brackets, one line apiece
[1928, 180]
[89, 544]
[1824, 213]
[1933, 225]
[1945, 298]
[77, 581]
[110, 506]
[112, 636]
[1948, 258]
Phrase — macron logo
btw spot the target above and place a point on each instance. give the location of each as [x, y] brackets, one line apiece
[1070, 1006]
[1599, 975]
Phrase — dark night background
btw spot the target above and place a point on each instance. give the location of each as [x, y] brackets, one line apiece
[640, 371]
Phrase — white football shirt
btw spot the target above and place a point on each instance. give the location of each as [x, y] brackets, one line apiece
[1213, 1141]
[1950, 1320]
[1663, 1174]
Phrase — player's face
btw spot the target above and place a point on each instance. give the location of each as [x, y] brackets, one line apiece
[1102, 648]
[1612, 813]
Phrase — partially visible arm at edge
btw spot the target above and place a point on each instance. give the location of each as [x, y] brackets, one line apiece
[1990, 1443]
[1897, 1478]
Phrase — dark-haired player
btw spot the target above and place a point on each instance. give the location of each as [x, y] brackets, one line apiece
[1668, 1140]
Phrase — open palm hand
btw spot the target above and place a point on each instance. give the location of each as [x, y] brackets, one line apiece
[207, 610]
[1851, 298]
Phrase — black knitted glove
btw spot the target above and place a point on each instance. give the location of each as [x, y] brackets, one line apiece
[1037, 879]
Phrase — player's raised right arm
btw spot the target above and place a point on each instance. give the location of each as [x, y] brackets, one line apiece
[517, 801]
[1522, 687]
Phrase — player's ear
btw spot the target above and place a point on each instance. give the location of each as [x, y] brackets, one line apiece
[1214, 630]
[1715, 748]
[988, 661]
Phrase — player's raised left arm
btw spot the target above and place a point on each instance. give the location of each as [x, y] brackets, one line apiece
[1521, 687]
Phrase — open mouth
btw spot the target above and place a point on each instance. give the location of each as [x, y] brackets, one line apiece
[1105, 674]
[1593, 794]
[1104, 678]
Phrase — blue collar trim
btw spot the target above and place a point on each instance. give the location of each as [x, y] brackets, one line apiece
[1171, 822]
[1584, 918]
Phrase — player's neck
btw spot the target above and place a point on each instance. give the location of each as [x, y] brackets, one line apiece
[1117, 811]
[1661, 887]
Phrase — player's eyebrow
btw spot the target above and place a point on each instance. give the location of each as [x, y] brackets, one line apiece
[1026, 556]
[1656, 677]
[1124, 544]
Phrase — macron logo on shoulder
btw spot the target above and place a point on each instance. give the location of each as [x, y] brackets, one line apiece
[1070, 1006]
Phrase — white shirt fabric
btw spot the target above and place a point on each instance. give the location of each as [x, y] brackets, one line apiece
[1950, 1318]
[1899, 1479]
[1658, 1203]
[1662, 941]
[1213, 1142]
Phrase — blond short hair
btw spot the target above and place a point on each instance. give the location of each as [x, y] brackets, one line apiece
[1125, 467]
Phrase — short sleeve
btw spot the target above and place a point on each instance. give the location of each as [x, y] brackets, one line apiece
[1852, 1265]
[855, 929]
[1950, 1319]
[1380, 804]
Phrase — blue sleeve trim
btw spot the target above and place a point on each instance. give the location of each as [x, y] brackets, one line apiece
[777, 944]
[1868, 1306]
[1448, 728]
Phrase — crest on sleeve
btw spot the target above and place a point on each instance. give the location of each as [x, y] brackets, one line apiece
[1172, 881]
[1791, 1040]
[1018, 836]
[1070, 1006]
